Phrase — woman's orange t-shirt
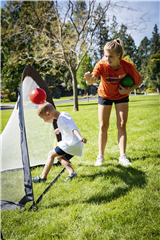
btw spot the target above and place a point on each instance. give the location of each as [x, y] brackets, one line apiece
[110, 79]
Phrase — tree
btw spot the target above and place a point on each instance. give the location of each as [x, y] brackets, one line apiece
[146, 49]
[85, 66]
[155, 41]
[19, 41]
[114, 28]
[101, 33]
[129, 60]
[153, 73]
[128, 42]
[84, 33]
[123, 35]
[143, 53]
[130, 48]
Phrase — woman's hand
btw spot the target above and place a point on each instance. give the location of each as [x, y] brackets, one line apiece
[122, 90]
[89, 78]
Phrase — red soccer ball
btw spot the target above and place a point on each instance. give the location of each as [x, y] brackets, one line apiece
[38, 96]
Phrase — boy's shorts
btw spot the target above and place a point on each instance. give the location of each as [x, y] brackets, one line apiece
[105, 101]
[60, 152]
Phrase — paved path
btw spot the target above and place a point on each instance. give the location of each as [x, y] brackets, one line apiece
[79, 100]
[5, 106]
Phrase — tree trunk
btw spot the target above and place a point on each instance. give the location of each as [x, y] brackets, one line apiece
[75, 95]
[88, 95]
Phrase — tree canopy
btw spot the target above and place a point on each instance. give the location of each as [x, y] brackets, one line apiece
[153, 72]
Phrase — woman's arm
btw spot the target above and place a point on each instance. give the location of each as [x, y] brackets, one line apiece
[122, 90]
[89, 77]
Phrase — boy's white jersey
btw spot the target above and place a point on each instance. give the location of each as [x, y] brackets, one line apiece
[70, 143]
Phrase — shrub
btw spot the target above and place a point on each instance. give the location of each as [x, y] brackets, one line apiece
[151, 90]
[12, 96]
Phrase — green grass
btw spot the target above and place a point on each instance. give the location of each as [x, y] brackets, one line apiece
[107, 202]
[5, 115]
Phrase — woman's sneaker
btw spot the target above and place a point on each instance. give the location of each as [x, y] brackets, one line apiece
[124, 161]
[99, 161]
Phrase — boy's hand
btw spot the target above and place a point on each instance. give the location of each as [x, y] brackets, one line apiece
[78, 135]
[84, 140]
[57, 131]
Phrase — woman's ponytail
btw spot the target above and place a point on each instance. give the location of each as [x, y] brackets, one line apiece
[116, 46]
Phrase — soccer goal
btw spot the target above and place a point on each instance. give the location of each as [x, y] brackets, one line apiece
[25, 141]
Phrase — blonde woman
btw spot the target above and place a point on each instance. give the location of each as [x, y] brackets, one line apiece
[112, 68]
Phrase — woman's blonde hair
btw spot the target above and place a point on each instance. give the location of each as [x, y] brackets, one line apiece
[116, 46]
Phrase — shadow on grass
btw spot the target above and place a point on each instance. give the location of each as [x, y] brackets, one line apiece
[130, 176]
[88, 104]
[144, 157]
[117, 175]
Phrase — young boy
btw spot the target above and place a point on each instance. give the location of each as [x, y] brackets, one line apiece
[71, 144]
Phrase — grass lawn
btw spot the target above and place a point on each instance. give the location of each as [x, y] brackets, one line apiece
[5, 115]
[110, 202]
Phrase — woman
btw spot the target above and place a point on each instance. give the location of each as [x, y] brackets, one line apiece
[113, 68]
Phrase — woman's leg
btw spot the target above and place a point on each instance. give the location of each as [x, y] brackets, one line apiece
[122, 115]
[104, 115]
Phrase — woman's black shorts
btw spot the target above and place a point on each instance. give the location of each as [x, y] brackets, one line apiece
[105, 101]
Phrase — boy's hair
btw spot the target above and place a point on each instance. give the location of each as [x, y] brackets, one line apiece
[116, 46]
[44, 107]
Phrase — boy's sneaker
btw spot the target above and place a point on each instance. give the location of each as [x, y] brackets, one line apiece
[124, 161]
[99, 161]
[70, 177]
[38, 179]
